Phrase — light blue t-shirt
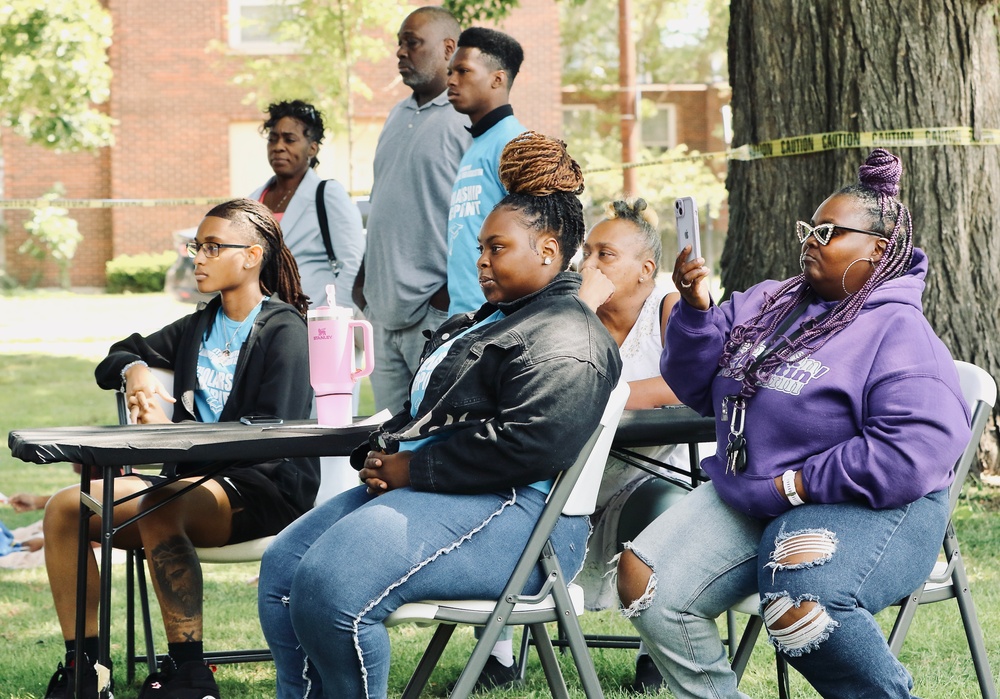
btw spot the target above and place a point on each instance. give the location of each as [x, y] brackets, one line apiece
[477, 190]
[217, 358]
[423, 377]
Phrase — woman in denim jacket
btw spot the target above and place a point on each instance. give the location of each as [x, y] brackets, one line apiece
[503, 401]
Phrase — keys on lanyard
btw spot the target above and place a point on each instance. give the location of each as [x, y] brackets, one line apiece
[736, 450]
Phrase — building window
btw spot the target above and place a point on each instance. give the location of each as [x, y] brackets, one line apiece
[255, 26]
[659, 129]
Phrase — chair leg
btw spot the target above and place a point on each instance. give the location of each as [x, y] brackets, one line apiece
[522, 654]
[147, 624]
[129, 617]
[781, 667]
[742, 655]
[731, 634]
[550, 664]
[466, 683]
[570, 624]
[966, 607]
[428, 661]
[973, 631]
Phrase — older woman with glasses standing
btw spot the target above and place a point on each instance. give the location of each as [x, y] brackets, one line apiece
[839, 418]
[294, 133]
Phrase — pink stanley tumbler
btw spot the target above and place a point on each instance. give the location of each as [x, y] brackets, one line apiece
[332, 368]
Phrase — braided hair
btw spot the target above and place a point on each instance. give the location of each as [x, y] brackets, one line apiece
[877, 190]
[303, 112]
[279, 273]
[638, 213]
[543, 182]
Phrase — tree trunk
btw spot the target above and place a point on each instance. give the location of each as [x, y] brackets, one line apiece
[799, 67]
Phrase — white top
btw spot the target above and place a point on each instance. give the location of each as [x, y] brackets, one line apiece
[640, 353]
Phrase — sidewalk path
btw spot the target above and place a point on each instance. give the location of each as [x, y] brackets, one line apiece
[80, 324]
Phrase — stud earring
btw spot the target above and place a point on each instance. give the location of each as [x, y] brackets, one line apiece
[547, 261]
[246, 266]
[642, 279]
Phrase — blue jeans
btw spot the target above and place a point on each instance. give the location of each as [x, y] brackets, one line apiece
[706, 557]
[397, 356]
[331, 578]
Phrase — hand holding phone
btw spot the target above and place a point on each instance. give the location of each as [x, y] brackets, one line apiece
[689, 276]
[686, 214]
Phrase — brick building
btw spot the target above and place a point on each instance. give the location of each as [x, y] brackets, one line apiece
[690, 114]
[183, 130]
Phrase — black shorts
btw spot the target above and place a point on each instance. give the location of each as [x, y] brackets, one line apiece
[259, 508]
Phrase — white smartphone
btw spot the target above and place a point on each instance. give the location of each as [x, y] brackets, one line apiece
[686, 213]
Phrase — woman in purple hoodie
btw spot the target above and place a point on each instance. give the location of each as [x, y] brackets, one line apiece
[839, 418]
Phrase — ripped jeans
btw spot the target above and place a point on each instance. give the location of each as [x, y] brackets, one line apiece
[839, 564]
[332, 576]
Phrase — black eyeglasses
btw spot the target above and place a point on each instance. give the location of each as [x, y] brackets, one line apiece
[824, 232]
[211, 249]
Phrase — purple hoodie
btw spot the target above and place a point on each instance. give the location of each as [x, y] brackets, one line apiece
[876, 415]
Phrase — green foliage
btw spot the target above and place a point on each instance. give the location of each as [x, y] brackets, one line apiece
[54, 70]
[52, 234]
[467, 12]
[328, 37]
[595, 144]
[676, 41]
[138, 273]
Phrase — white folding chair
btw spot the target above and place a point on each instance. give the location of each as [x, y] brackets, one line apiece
[247, 551]
[948, 579]
[574, 493]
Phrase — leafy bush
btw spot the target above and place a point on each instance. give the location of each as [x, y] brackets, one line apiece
[145, 272]
[52, 233]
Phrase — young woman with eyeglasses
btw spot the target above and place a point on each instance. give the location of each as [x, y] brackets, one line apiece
[839, 419]
[244, 353]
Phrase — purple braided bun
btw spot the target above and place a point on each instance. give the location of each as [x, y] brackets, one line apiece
[881, 172]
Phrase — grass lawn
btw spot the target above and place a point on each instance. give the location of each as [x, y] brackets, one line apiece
[49, 344]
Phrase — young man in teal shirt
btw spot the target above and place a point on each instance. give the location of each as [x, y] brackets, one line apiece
[480, 76]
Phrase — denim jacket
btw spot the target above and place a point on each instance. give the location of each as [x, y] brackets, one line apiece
[514, 400]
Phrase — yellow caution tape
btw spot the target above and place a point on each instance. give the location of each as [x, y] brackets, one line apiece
[107, 203]
[776, 148]
[833, 140]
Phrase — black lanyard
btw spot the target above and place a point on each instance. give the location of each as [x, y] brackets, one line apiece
[779, 340]
[736, 450]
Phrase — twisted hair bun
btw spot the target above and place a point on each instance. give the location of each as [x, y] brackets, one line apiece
[634, 209]
[881, 172]
[537, 165]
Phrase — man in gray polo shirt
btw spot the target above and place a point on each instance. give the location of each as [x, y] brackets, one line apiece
[403, 284]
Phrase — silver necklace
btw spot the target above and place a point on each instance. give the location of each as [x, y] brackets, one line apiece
[226, 352]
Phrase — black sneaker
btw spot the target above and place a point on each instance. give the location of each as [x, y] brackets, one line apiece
[63, 681]
[648, 679]
[192, 680]
[495, 675]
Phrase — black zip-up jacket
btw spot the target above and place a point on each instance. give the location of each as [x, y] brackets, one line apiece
[271, 378]
[518, 398]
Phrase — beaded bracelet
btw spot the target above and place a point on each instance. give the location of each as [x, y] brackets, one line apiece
[137, 362]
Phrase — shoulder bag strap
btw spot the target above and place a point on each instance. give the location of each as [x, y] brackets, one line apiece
[324, 228]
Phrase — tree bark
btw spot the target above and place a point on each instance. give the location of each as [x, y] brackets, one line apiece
[799, 67]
